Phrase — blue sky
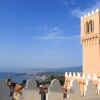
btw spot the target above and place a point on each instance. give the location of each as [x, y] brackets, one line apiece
[42, 33]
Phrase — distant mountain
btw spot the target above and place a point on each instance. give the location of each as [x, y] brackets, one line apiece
[60, 70]
[70, 69]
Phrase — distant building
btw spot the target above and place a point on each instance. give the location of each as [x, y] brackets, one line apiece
[90, 40]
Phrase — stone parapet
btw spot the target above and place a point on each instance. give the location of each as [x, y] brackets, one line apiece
[90, 13]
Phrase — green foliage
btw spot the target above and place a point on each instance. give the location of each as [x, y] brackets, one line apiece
[50, 78]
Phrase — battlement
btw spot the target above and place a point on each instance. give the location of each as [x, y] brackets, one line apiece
[77, 86]
[90, 13]
[80, 76]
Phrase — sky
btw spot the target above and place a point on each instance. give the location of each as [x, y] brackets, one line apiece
[42, 33]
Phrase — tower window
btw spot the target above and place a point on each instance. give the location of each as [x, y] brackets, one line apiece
[89, 26]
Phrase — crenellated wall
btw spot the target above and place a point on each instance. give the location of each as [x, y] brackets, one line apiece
[79, 87]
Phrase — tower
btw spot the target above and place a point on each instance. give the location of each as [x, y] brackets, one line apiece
[90, 40]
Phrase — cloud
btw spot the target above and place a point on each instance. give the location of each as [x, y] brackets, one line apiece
[55, 37]
[78, 12]
[52, 29]
[69, 2]
[55, 34]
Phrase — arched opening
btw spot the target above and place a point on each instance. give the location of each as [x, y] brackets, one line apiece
[87, 27]
[91, 26]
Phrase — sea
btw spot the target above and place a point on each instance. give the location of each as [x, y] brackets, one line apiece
[19, 74]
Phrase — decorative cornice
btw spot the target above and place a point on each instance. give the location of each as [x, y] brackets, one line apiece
[90, 39]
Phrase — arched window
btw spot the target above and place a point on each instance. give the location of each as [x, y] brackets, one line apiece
[87, 27]
[91, 26]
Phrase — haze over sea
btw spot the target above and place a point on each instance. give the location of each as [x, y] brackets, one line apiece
[17, 74]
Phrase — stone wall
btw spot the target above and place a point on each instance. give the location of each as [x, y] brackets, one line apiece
[77, 86]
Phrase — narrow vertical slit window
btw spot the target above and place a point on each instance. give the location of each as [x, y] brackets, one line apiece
[91, 26]
[87, 27]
